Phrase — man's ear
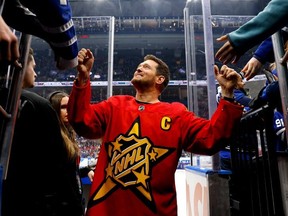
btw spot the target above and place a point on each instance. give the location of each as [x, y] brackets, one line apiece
[160, 79]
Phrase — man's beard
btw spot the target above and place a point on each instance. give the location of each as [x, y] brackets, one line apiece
[140, 83]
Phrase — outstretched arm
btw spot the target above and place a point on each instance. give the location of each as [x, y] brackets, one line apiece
[267, 22]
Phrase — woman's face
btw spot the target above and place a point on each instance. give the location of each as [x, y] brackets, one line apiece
[63, 111]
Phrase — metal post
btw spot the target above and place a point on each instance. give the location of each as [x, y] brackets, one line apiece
[188, 56]
[110, 56]
[2, 2]
[194, 71]
[282, 75]
[209, 58]
[192, 99]
[282, 79]
[14, 91]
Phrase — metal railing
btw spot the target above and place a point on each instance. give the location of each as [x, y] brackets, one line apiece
[255, 183]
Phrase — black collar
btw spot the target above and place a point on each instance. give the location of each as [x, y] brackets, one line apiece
[140, 102]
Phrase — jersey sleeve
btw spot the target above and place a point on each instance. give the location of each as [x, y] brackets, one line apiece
[88, 120]
[203, 136]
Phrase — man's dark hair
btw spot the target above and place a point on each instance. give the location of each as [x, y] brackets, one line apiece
[30, 54]
[162, 69]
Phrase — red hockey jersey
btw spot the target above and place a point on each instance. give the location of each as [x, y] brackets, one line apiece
[141, 146]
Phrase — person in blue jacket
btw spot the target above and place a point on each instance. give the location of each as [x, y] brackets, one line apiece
[271, 94]
[50, 20]
[263, 54]
[240, 96]
[267, 22]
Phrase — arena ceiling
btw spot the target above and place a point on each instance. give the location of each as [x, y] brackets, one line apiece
[162, 8]
[144, 9]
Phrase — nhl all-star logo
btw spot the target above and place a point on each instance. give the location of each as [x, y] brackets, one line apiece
[129, 163]
[132, 159]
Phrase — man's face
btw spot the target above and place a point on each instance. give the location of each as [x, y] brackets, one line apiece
[30, 74]
[145, 74]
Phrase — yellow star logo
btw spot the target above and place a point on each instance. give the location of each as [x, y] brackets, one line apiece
[153, 155]
[131, 160]
[117, 145]
[141, 177]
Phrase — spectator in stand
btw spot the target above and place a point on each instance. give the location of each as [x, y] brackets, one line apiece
[39, 180]
[271, 19]
[270, 95]
[278, 119]
[244, 99]
[59, 101]
[143, 138]
[30, 75]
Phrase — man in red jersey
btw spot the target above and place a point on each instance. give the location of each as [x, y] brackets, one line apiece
[143, 138]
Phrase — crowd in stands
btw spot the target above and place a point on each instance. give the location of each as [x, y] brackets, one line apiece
[89, 148]
[124, 59]
[100, 25]
[124, 66]
[96, 25]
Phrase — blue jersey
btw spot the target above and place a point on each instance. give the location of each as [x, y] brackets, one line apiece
[50, 20]
[279, 129]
